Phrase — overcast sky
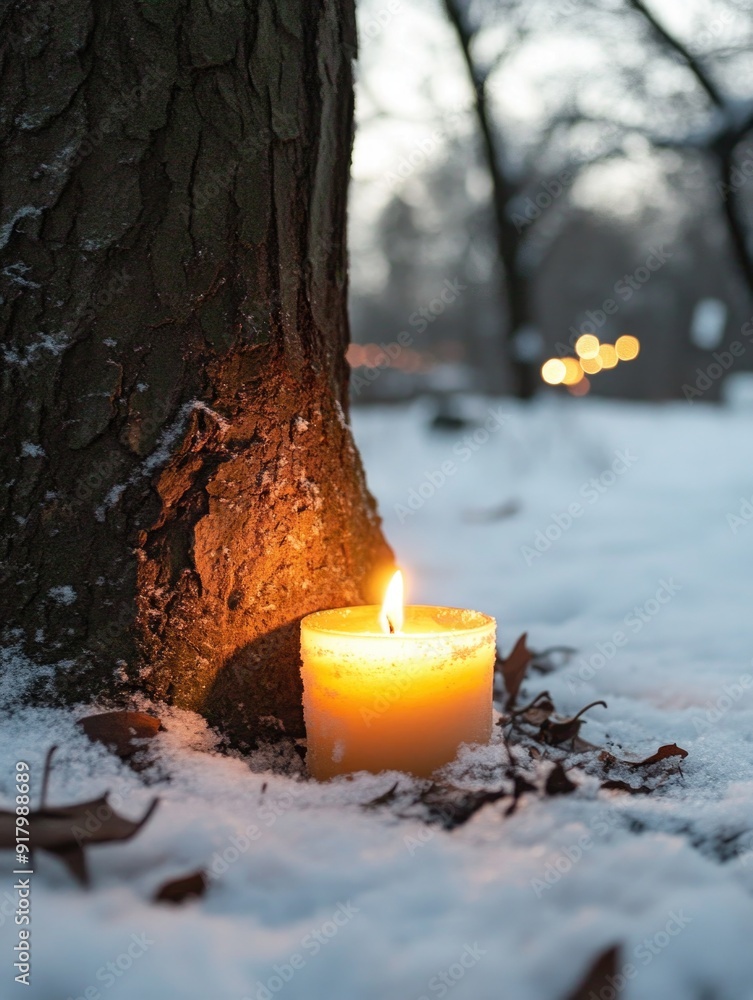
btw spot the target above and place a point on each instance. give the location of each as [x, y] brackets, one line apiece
[413, 95]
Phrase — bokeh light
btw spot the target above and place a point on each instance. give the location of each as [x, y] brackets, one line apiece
[591, 366]
[553, 371]
[581, 388]
[608, 355]
[573, 372]
[627, 348]
[587, 346]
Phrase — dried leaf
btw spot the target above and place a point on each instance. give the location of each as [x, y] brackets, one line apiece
[189, 887]
[558, 783]
[452, 807]
[601, 979]
[560, 731]
[513, 669]
[623, 786]
[521, 785]
[65, 830]
[383, 799]
[537, 711]
[489, 514]
[119, 731]
[663, 753]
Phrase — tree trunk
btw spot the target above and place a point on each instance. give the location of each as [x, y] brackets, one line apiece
[514, 291]
[734, 202]
[521, 324]
[179, 484]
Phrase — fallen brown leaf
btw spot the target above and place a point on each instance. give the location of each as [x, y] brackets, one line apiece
[663, 753]
[382, 800]
[560, 731]
[537, 711]
[600, 979]
[65, 830]
[623, 786]
[179, 889]
[513, 668]
[120, 731]
[558, 783]
[521, 785]
[452, 807]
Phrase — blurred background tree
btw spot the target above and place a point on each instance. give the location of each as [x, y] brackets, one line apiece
[549, 158]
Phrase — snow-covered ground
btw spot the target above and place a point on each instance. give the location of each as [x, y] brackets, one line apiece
[315, 898]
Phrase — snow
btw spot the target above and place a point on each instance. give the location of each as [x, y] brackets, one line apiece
[6, 231]
[55, 344]
[15, 273]
[313, 897]
[62, 595]
[113, 496]
[170, 436]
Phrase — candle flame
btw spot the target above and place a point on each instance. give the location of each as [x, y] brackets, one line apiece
[391, 615]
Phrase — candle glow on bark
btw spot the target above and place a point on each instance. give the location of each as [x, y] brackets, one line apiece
[393, 687]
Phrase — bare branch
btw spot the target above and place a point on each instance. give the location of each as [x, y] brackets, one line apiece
[692, 62]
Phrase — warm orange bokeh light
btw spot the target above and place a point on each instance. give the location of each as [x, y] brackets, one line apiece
[591, 366]
[553, 371]
[628, 348]
[391, 615]
[581, 388]
[608, 356]
[587, 346]
[573, 372]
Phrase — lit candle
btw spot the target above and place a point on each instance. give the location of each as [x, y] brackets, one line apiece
[394, 688]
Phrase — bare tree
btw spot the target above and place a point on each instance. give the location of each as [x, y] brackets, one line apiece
[516, 291]
[729, 121]
[720, 141]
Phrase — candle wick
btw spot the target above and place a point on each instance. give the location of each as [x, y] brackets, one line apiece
[392, 627]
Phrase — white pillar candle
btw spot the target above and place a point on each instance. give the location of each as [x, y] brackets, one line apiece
[391, 689]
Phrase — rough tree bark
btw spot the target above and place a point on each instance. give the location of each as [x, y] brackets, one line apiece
[178, 482]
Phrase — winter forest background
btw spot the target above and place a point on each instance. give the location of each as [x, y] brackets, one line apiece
[616, 129]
